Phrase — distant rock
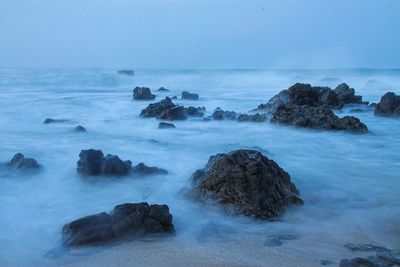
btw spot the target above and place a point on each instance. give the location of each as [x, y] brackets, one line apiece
[50, 120]
[143, 93]
[130, 219]
[389, 105]
[80, 129]
[246, 181]
[92, 162]
[126, 72]
[165, 125]
[316, 118]
[257, 117]
[142, 169]
[189, 96]
[220, 114]
[19, 162]
[167, 110]
[155, 109]
[162, 89]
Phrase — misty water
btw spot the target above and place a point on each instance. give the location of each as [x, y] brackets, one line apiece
[350, 183]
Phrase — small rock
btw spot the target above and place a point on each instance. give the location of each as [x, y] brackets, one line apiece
[142, 169]
[143, 93]
[252, 117]
[189, 96]
[126, 72]
[220, 114]
[162, 89]
[195, 112]
[21, 163]
[80, 129]
[165, 125]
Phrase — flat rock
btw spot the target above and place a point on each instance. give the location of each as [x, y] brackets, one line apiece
[134, 219]
[142, 169]
[257, 117]
[126, 72]
[246, 182]
[50, 120]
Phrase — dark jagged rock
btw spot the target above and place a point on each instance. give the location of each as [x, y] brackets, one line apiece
[314, 96]
[92, 162]
[174, 113]
[50, 120]
[155, 109]
[252, 117]
[195, 112]
[19, 162]
[246, 181]
[133, 219]
[316, 118]
[80, 129]
[189, 96]
[165, 125]
[143, 93]
[142, 169]
[162, 89]
[388, 106]
[220, 114]
[126, 72]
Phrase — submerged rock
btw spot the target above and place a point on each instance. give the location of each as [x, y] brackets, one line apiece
[252, 117]
[155, 109]
[142, 169]
[50, 120]
[126, 219]
[165, 125]
[126, 72]
[189, 96]
[220, 114]
[383, 256]
[92, 162]
[316, 118]
[19, 162]
[389, 105]
[248, 182]
[162, 89]
[143, 93]
[80, 129]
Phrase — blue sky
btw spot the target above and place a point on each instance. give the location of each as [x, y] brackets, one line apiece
[200, 33]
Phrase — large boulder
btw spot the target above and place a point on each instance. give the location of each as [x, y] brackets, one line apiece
[189, 96]
[155, 109]
[19, 162]
[246, 181]
[92, 162]
[389, 105]
[143, 93]
[316, 118]
[124, 220]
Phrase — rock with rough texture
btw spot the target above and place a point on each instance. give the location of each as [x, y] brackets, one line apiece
[155, 109]
[80, 129]
[19, 162]
[92, 162]
[50, 120]
[143, 93]
[252, 117]
[246, 181]
[126, 72]
[165, 125]
[383, 257]
[173, 114]
[189, 96]
[316, 118]
[220, 114]
[195, 112]
[162, 89]
[389, 105]
[130, 219]
[142, 169]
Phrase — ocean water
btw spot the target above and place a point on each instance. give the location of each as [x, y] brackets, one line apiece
[350, 183]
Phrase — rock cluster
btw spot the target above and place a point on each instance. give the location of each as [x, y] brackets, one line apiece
[92, 162]
[19, 162]
[126, 219]
[246, 181]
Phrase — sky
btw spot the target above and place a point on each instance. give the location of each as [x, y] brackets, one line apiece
[200, 34]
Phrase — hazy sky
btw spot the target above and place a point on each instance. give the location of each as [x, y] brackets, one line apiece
[200, 33]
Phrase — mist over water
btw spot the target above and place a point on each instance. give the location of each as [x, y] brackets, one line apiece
[350, 183]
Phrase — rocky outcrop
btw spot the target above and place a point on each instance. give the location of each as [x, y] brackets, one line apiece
[80, 129]
[173, 114]
[126, 72]
[165, 125]
[316, 118]
[50, 120]
[19, 162]
[162, 89]
[195, 112]
[93, 163]
[167, 110]
[155, 109]
[246, 181]
[257, 117]
[388, 106]
[189, 96]
[220, 114]
[130, 219]
[143, 93]
[142, 169]
[313, 96]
